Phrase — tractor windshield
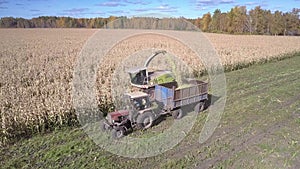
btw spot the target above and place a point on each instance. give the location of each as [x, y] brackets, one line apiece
[141, 103]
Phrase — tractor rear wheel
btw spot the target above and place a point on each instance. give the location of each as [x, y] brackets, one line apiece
[145, 120]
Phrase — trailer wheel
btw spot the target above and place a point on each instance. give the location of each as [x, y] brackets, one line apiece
[145, 120]
[199, 107]
[118, 133]
[177, 114]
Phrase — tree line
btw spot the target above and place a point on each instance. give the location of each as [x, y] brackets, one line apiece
[111, 22]
[54, 22]
[237, 21]
[256, 21]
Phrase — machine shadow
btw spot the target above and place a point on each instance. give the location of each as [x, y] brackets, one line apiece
[210, 101]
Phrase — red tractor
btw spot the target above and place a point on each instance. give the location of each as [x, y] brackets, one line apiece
[138, 114]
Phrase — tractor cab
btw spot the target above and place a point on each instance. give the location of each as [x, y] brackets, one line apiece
[139, 100]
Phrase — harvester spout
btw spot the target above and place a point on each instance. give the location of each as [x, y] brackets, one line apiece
[152, 56]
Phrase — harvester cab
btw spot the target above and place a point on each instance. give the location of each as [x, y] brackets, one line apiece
[142, 78]
[139, 76]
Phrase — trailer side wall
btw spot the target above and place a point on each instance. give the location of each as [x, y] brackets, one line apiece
[171, 98]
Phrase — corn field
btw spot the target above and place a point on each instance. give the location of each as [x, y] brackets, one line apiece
[36, 68]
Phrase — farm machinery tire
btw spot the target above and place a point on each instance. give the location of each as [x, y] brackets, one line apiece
[199, 107]
[177, 114]
[105, 126]
[145, 120]
[118, 133]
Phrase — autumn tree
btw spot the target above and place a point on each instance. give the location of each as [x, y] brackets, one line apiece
[237, 18]
[292, 22]
[216, 21]
[205, 22]
[277, 26]
[258, 20]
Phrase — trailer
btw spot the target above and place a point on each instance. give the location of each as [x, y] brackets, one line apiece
[173, 98]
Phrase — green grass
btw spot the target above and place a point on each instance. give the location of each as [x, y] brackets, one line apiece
[260, 128]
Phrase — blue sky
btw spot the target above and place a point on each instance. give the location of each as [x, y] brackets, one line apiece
[157, 8]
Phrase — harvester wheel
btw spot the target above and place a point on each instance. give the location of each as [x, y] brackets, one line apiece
[145, 120]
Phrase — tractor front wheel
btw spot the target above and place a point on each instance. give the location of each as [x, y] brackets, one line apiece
[105, 126]
[118, 133]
